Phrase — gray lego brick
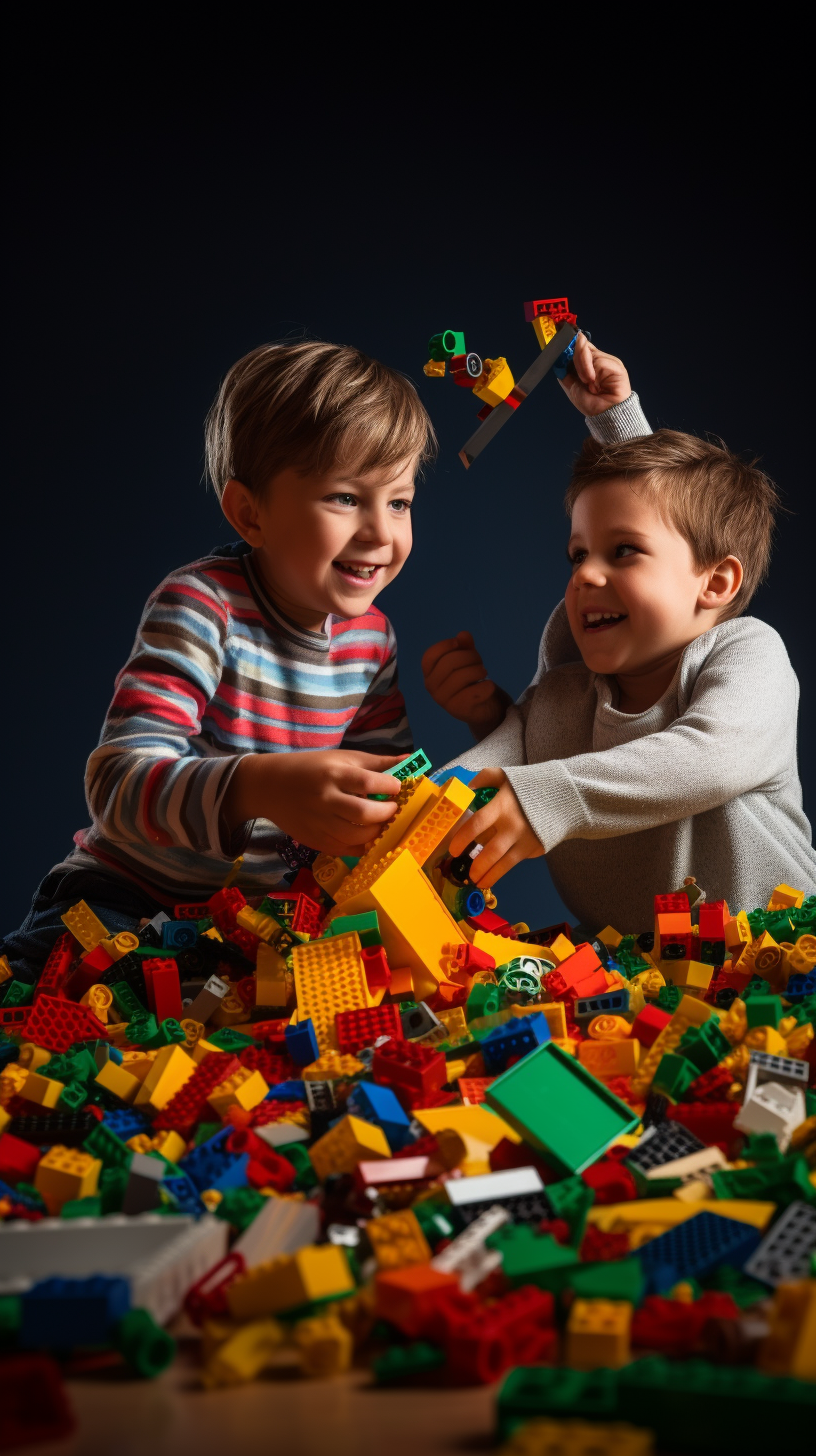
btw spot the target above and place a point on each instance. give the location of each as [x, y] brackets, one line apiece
[786, 1249]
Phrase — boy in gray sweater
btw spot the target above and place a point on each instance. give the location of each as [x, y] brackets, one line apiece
[658, 737]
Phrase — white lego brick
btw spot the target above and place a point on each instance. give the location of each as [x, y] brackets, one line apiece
[281, 1227]
[493, 1187]
[467, 1254]
[279, 1134]
[786, 1071]
[160, 1256]
[707, 1160]
[772, 1108]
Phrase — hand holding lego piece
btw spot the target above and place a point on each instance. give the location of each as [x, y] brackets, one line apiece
[320, 799]
[599, 381]
[457, 680]
[501, 827]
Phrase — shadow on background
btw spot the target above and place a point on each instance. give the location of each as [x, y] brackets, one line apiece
[154, 244]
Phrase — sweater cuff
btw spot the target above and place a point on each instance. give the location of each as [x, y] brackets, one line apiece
[624, 421]
[550, 800]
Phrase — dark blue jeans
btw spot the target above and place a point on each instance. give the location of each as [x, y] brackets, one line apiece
[119, 905]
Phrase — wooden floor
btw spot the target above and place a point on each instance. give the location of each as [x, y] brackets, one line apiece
[346, 1416]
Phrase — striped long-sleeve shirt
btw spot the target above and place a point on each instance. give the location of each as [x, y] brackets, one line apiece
[216, 672]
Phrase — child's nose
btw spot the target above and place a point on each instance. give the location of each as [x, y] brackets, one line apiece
[589, 573]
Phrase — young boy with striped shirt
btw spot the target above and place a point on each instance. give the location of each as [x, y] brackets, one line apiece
[260, 702]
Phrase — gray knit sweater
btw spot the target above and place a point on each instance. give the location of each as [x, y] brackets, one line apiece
[703, 783]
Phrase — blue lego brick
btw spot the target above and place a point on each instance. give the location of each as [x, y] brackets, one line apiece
[301, 1043]
[126, 1122]
[514, 1039]
[564, 360]
[695, 1248]
[287, 1092]
[381, 1106]
[211, 1165]
[63, 1313]
[611, 1003]
[185, 1194]
[800, 986]
[457, 772]
[179, 934]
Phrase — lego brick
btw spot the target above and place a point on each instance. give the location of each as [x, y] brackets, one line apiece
[695, 1249]
[84, 926]
[290, 1280]
[281, 1227]
[531, 1257]
[786, 1251]
[520, 1191]
[346, 1144]
[329, 977]
[243, 1088]
[397, 1239]
[504, 949]
[61, 1313]
[361, 1028]
[33, 1400]
[66, 1173]
[598, 1334]
[789, 1347]
[467, 1256]
[55, 1023]
[548, 357]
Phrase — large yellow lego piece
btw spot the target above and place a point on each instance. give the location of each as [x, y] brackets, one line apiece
[349, 1142]
[441, 810]
[170, 1070]
[544, 329]
[44, 1090]
[85, 927]
[244, 1354]
[598, 1333]
[397, 1239]
[689, 1013]
[245, 1088]
[274, 982]
[66, 1173]
[498, 383]
[414, 798]
[789, 1348]
[475, 1122]
[665, 1213]
[617, 1058]
[329, 977]
[785, 897]
[116, 1080]
[693, 976]
[415, 924]
[503, 949]
[314, 1272]
[326, 1346]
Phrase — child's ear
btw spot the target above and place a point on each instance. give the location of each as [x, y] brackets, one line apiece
[721, 584]
[241, 510]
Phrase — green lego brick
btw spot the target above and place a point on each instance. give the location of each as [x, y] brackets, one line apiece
[17, 993]
[413, 767]
[560, 1108]
[763, 1010]
[366, 924]
[168, 1033]
[142, 1028]
[229, 1040]
[403, 1361]
[105, 1145]
[761, 1147]
[669, 998]
[298, 1155]
[11, 1314]
[239, 1206]
[90, 1207]
[434, 1219]
[571, 1201]
[443, 346]
[780, 1183]
[532, 1258]
[127, 1003]
[674, 1076]
[530, 1391]
[744, 1290]
[618, 1279]
[112, 1186]
[704, 1046]
[146, 1348]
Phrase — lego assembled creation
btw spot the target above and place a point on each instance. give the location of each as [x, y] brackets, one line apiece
[556, 330]
[369, 1120]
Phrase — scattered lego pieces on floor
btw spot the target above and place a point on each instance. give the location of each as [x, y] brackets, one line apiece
[385, 1126]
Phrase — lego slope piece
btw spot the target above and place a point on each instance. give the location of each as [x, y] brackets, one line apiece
[415, 923]
[329, 977]
[560, 1108]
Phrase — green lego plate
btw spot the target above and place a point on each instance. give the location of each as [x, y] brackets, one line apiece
[560, 1108]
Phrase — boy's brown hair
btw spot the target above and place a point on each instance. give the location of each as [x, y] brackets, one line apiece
[721, 504]
[312, 406]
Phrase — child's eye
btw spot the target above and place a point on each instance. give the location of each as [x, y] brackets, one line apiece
[625, 549]
[401, 507]
[343, 499]
[576, 557]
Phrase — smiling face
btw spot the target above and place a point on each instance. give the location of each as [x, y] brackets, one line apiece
[326, 543]
[636, 598]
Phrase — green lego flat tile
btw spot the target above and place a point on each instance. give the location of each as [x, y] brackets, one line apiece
[560, 1108]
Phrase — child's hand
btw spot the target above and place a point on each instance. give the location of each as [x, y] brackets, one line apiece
[501, 826]
[457, 680]
[320, 799]
[600, 380]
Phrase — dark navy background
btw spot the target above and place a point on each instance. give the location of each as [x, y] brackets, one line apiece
[155, 241]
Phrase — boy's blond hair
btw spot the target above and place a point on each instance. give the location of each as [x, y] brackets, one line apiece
[721, 504]
[315, 407]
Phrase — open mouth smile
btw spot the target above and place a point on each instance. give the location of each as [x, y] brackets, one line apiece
[359, 573]
[595, 622]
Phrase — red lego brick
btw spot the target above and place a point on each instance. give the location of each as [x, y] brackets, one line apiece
[272, 1032]
[598, 1247]
[556, 308]
[672, 1328]
[272, 1066]
[416, 1101]
[610, 1181]
[34, 1402]
[207, 1299]
[305, 883]
[711, 1086]
[711, 1122]
[57, 968]
[686, 940]
[472, 1089]
[272, 1170]
[357, 1029]
[466, 960]
[184, 1111]
[411, 1298]
[411, 1068]
[712, 920]
[55, 1023]
[271, 1110]
[162, 985]
[648, 1024]
[490, 921]
[485, 1342]
[559, 1229]
[199, 911]
[14, 1020]
[18, 1159]
[676, 904]
[376, 967]
[224, 905]
[515, 397]
[582, 966]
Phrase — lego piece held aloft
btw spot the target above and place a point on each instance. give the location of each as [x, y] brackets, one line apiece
[443, 346]
[554, 308]
[498, 384]
[502, 412]
[467, 370]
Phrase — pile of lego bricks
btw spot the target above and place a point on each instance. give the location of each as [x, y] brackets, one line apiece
[366, 1120]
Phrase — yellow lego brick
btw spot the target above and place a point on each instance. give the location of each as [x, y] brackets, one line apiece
[560, 950]
[397, 1239]
[435, 368]
[244, 1354]
[801, 958]
[476, 1122]
[666, 1213]
[289, 1280]
[578, 1438]
[12, 1080]
[797, 1043]
[498, 384]
[44, 1090]
[609, 1028]
[121, 944]
[544, 329]
[85, 927]
[138, 1061]
[737, 934]
[5, 1119]
[202, 1047]
[66, 1173]
[230, 1012]
[329, 977]
[264, 926]
[333, 1067]
[785, 897]
[765, 1039]
[610, 937]
[789, 1348]
[416, 797]
[503, 949]
[274, 982]
[349, 1142]
[691, 975]
[5, 970]
[245, 1088]
[99, 999]
[554, 1013]
[610, 1058]
[455, 1024]
[170, 1144]
[32, 1056]
[330, 872]
[326, 1346]
[170, 1070]
[116, 1080]
[598, 1332]
[414, 922]
[689, 1013]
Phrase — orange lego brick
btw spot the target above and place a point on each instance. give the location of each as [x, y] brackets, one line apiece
[349, 1142]
[66, 1173]
[598, 1333]
[397, 1239]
